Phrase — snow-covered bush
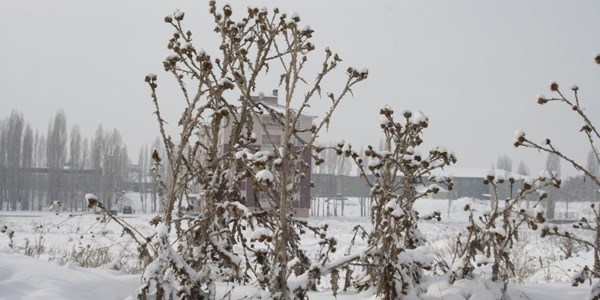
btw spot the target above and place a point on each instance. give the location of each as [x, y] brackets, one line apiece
[491, 235]
[230, 241]
[591, 134]
[398, 176]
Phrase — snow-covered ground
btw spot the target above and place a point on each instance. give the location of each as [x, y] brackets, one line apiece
[60, 247]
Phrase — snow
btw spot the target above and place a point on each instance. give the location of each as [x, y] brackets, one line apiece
[260, 232]
[544, 175]
[264, 175]
[151, 76]
[474, 173]
[225, 81]
[89, 197]
[23, 277]
[172, 57]
[418, 117]
[520, 133]
[178, 14]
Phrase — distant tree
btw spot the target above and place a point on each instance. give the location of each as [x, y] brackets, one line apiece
[75, 151]
[97, 146]
[3, 165]
[96, 160]
[85, 154]
[504, 163]
[143, 172]
[40, 162]
[523, 169]
[115, 163]
[14, 140]
[74, 183]
[40, 150]
[572, 189]
[56, 156]
[26, 166]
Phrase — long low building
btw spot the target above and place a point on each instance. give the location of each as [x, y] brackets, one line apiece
[468, 182]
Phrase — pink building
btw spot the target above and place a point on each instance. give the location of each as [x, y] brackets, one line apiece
[301, 202]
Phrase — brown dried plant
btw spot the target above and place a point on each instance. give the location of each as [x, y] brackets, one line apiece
[230, 241]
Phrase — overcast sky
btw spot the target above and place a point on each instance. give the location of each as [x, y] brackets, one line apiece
[474, 67]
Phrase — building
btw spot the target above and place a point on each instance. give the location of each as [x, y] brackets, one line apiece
[268, 142]
[468, 182]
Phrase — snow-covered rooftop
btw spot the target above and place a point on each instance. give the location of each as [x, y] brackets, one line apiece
[474, 173]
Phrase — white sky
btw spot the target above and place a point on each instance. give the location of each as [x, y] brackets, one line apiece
[474, 67]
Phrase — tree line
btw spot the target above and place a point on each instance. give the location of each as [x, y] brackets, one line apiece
[38, 168]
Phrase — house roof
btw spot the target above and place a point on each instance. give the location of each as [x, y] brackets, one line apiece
[281, 108]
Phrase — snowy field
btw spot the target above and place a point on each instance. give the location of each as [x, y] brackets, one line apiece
[79, 257]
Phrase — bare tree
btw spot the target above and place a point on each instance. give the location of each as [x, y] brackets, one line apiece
[85, 154]
[14, 139]
[56, 156]
[3, 166]
[523, 169]
[504, 163]
[115, 163]
[40, 161]
[26, 179]
[74, 162]
[96, 159]
[75, 148]
[143, 171]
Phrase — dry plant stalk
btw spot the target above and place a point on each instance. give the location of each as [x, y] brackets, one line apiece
[590, 131]
[394, 258]
[490, 236]
[230, 241]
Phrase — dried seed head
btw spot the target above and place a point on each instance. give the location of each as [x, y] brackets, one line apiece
[227, 10]
[553, 86]
[541, 99]
[586, 128]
